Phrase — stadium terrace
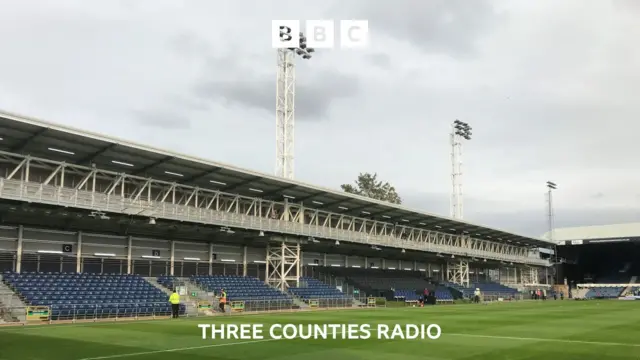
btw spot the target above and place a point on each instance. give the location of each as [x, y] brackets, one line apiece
[96, 227]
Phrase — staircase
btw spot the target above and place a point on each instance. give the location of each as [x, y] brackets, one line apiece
[190, 303]
[297, 301]
[12, 308]
[632, 284]
[153, 281]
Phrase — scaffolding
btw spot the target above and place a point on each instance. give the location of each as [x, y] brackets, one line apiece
[458, 273]
[283, 265]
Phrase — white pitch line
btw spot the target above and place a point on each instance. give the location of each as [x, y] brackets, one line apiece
[566, 341]
[177, 349]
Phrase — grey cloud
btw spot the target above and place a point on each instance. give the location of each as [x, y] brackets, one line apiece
[527, 222]
[313, 97]
[162, 119]
[436, 26]
[380, 60]
[234, 80]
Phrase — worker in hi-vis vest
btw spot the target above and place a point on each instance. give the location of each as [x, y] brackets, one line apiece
[174, 299]
[223, 300]
[476, 295]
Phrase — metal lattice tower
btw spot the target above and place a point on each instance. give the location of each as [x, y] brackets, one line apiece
[285, 106]
[550, 213]
[458, 273]
[283, 265]
[459, 131]
[551, 186]
[530, 276]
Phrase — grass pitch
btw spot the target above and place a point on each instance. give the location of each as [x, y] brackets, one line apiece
[558, 330]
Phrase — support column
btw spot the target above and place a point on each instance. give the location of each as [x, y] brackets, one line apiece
[384, 264]
[298, 264]
[546, 276]
[19, 249]
[129, 246]
[324, 260]
[346, 261]
[283, 264]
[172, 258]
[79, 253]
[301, 214]
[210, 259]
[244, 261]
[366, 262]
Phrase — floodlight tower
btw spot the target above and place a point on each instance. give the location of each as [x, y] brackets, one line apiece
[285, 105]
[459, 131]
[551, 186]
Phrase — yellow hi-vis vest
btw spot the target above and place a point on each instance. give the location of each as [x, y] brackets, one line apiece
[174, 298]
[223, 297]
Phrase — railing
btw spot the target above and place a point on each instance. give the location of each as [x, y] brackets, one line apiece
[137, 311]
[54, 195]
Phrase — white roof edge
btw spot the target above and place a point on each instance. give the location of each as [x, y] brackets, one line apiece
[106, 138]
[611, 231]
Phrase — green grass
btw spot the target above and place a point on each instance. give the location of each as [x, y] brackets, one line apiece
[553, 330]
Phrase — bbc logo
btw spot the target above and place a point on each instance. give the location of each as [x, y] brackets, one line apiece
[320, 34]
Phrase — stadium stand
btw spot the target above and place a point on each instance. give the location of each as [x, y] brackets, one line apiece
[392, 284]
[603, 293]
[377, 279]
[86, 296]
[487, 288]
[169, 282]
[314, 289]
[252, 291]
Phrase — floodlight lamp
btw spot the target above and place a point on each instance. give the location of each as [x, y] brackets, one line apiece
[300, 52]
[457, 122]
[310, 50]
[306, 56]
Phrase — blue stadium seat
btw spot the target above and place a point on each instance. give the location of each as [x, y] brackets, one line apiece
[487, 288]
[255, 293]
[603, 293]
[86, 296]
[314, 289]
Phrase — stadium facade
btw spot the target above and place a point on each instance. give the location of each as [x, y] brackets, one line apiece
[74, 201]
[599, 261]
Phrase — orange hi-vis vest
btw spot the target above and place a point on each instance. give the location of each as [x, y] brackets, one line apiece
[223, 297]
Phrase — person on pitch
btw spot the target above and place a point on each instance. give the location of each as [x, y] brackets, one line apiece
[476, 296]
[174, 299]
[223, 300]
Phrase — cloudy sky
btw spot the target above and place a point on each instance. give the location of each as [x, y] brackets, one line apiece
[551, 88]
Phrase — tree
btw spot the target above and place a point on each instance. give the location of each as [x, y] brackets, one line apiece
[368, 185]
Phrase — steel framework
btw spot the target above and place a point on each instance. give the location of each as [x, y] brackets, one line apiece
[283, 265]
[51, 182]
[285, 113]
[458, 272]
[285, 106]
[530, 276]
[551, 186]
[459, 131]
